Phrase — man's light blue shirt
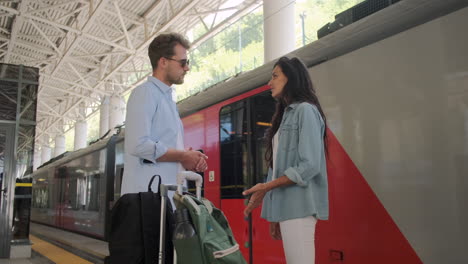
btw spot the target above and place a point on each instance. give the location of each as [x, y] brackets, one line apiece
[151, 128]
[301, 157]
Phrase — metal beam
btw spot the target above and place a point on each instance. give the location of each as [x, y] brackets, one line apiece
[124, 27]
[55, 7]
[100, 54]
[9, 10]
[234, 17]
[45, 37]
[80, 76]
[73, 12]
[17, 25]
[72, 107]
[135, 19]
[69, 91]
[50, 108]
[214, 11]
[85, 28]
[79, 85]
[145, 44]
[80, 34]
[7, 97]
[36, 48]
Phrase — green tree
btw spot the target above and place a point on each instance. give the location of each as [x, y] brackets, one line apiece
[251, 32]
[220, 58]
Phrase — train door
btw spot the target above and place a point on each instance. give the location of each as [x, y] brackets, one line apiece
[242, 129]
[265, 249]
[235, 169]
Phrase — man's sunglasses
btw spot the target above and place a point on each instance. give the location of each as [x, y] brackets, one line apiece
[183, 62]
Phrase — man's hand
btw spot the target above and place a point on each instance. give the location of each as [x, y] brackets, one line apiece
[190, 159]
[275, 231]
[194, 160]
[258, 192]
[201, 165]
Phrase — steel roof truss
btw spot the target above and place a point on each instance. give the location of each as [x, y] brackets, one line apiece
[15, 28]
[55, 7]
[45, 37]
[124, 27]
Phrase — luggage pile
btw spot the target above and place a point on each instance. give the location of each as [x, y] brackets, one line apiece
[197, 233]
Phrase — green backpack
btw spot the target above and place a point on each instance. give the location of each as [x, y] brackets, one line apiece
[214, 242]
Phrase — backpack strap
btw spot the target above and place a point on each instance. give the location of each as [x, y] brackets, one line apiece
[208, 205]
[151, 183]
[190, 203]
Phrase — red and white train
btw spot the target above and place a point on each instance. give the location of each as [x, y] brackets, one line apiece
[394, 87]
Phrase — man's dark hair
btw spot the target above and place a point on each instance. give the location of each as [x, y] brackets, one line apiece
[163, 46]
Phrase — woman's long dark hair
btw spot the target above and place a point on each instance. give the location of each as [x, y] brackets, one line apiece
[298, 89]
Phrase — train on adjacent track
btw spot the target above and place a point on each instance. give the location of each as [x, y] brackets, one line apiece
[394, 87]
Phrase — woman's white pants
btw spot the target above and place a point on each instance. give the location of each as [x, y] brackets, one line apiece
[299, 240]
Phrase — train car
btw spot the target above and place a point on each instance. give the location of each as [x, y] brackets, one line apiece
[396, 103]
[394, 87]
[74, 191]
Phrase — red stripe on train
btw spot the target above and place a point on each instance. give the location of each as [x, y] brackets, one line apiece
[359, 229]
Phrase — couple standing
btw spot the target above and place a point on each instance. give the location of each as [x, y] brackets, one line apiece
[295, 195]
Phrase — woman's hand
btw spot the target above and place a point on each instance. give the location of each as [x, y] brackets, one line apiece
[275, 231]
[258, 192]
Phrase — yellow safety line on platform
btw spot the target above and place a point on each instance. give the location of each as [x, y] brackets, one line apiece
[23, 185]
[54, 253]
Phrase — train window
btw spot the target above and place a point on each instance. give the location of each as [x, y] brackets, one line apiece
[82, 183]
[243, 127]
[233, 141]
[40, 191]
[60, 182]
[94, 192]
[263, 108]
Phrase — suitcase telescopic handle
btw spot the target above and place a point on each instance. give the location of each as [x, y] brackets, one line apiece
[189, 176]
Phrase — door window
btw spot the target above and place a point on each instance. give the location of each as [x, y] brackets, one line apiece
[234, 145]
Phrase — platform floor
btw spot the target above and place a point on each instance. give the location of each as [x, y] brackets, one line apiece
[35, 259]
[87, 247]
[63, 247]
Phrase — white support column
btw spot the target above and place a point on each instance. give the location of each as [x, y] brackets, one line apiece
[279, 33]
[59, 140]
[116, 111]
[45, 150]
[36, 158]
[104, 116]
[81, 134]
[81, 129]
[59, 145]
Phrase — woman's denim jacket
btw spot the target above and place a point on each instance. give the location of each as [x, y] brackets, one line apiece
[301, 157]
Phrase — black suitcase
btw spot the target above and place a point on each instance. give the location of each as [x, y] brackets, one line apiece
[135, 230]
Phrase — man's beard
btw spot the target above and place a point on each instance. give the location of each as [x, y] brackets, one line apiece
[180, 80]
[175, 80]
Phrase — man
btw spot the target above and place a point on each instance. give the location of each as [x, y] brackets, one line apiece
[153, 129]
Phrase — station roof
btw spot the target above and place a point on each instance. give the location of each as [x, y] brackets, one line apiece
[88, 49]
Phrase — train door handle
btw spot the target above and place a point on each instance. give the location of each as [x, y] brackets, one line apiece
[4, 191]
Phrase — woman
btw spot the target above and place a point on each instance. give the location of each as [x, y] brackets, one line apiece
[296, 192]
